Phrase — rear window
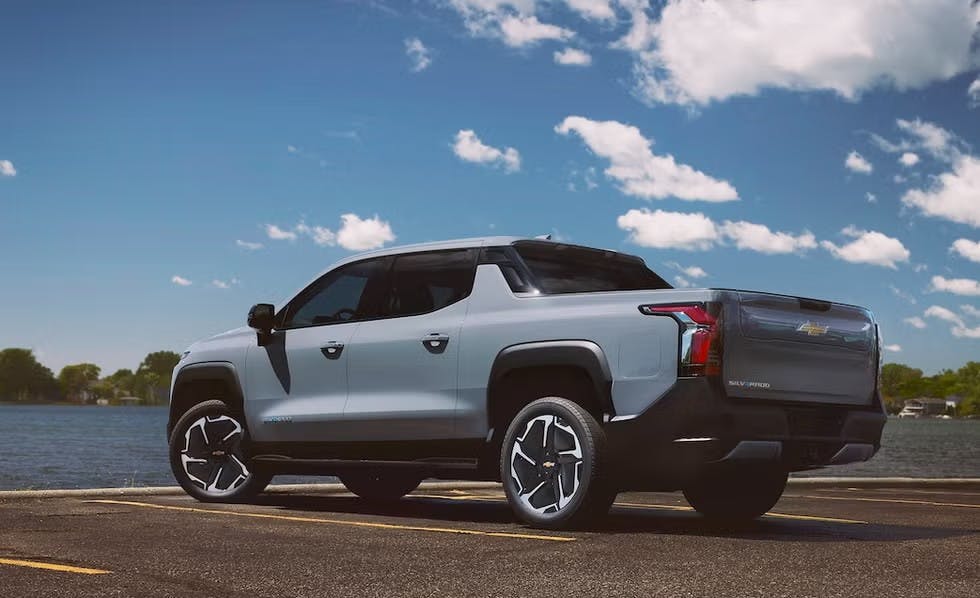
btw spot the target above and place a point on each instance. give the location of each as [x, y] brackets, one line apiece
[559, 268]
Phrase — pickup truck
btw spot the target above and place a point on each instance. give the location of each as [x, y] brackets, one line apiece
[567, 373]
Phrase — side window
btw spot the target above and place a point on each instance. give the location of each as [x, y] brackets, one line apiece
[424, 282]
[344, 295]
[515, 278]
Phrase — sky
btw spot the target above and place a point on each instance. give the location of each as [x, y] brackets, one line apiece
[163, 166]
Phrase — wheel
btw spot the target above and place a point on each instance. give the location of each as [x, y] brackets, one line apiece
[209, 458]
[736, 493]
[380, 485]
[552, 465]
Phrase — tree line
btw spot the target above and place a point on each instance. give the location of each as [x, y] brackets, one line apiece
[900, 382]
[24, 379]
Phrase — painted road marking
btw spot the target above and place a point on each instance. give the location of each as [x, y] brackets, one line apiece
[633, 505]
[368, 524]
[904, 501]
[53, 567]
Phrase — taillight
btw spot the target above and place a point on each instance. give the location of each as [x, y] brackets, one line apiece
[700, 342]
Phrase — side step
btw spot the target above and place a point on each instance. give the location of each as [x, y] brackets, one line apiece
[430, 468]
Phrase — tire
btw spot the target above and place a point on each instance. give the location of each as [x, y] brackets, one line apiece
[736, 493]
[380, 486]
[209, 455]
[553, 463]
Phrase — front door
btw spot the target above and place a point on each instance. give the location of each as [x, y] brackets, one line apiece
[403, 367]
[297, 382]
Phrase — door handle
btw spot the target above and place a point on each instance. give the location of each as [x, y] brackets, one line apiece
[435, 342]
[332, 350]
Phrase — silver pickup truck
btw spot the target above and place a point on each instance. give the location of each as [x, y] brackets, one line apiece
[565, 372]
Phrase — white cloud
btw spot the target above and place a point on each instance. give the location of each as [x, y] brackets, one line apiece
[519, 31]
[248, 245]
[682, 283]
[957, 286]
[7, 168]
[358, 234]
[469, 148]
[973, 92]
[869, 247]
[892, 348]
[959, 329]
[871, 197]
[180, 281]
[758, 237]
[323, 237]
[220, 284]
[967, 248]
[418, 54]
[915, 322]
[923, 136]
[695, 231]
[909, 159]
[674, 230]
[639, 171]
[694, 272]
[855, 162]
[573, 57]
[596, 10]
[278, 234]
[942, 313]
[953, 195]
[701, 51]
[902, 294]
[970, 311]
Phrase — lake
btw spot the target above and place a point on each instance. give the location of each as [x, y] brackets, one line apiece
[60, 446]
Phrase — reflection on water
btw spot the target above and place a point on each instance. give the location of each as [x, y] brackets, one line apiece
[91, 447]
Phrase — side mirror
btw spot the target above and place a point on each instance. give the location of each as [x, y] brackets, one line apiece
[262, 317]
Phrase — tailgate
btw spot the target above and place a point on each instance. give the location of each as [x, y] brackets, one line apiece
[778, 347]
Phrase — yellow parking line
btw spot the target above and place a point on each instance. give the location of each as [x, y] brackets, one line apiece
[53, 567]
[903, 501]
[633, 505]
[367, 524]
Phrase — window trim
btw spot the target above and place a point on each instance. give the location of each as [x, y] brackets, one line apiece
[381, 276]
[474, 261]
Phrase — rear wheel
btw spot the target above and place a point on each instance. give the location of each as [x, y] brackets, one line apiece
[209, 455]
[736, 493]
[553, 465]
[381, 485]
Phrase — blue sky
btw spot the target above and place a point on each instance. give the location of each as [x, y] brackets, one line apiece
[146, 145]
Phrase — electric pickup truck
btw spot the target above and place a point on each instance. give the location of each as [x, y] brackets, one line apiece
[567, 373]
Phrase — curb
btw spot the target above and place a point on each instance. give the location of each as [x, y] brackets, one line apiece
[336, 488]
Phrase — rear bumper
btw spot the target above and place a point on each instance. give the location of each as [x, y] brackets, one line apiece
[695, 426]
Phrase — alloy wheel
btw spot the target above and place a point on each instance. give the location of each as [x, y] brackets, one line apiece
[212, 456]
[546, 464]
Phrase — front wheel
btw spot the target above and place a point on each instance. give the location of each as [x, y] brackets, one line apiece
[208, 455]
[736, 493]
[553, 464]
[380, 486]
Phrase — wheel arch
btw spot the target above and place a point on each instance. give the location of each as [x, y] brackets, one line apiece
[582, 356]
[199, 382]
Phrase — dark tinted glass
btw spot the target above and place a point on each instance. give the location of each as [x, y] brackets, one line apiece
[501, 256]
[561, 268]
[340, 296]
[425, 282]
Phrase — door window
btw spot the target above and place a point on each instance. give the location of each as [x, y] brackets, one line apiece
[425, 282]
[346, 294]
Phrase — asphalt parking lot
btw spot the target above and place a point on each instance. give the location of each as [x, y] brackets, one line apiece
[464, 542]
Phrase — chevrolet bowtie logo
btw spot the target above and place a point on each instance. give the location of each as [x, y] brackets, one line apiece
[812, 329]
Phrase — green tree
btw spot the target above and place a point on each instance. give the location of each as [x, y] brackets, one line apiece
[75, 379]
[153, 375]
[22, 378]
[121, 381]
[897, 383]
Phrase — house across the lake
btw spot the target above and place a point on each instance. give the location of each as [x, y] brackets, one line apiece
[924, 407]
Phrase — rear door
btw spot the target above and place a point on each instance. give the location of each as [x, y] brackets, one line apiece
[403, 366]
[786, 348]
